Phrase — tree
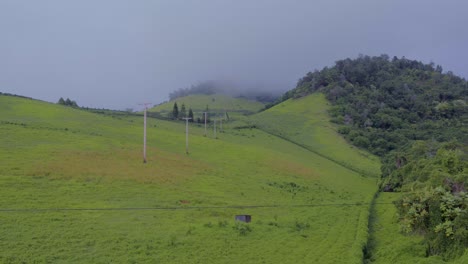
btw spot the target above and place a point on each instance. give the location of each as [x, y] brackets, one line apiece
[190, 115]
[183, 111]
[67, 102]
[175, 111]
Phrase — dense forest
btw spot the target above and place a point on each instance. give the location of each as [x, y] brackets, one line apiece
[220, 87]
[414, 116]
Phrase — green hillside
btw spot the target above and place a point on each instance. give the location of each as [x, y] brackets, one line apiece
[73, 189]
[217, 103]
[413, 116]
[306, 122]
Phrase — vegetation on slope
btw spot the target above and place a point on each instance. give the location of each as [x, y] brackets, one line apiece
[73, 188]
[388, 245]
[383, 104]
[217, 105]
[305, 122]
[413, 116]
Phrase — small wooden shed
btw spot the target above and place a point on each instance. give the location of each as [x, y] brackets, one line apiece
[244, 218]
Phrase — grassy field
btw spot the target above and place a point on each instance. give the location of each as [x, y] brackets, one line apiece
[73, 188]
[305, 121]
[388, 245]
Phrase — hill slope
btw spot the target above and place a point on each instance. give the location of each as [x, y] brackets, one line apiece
[414, 117]
[73, 188]
[216, 103]
[305, 122]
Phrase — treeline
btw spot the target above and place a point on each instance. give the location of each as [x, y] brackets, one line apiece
[67, 102]
[219, 87]
[182, 113]
[179, 114]
[15, 95]
[434, 176]
[414, 116]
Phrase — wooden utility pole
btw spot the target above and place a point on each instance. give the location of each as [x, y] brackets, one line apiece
[205, 113]
[215, 128]
[221, 124]
[186, 133]
[144, 131]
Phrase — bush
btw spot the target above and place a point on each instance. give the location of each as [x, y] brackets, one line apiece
[361, 142]
[242, 228]
[344, 130]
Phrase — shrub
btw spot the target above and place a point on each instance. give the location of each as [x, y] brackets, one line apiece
[242, 228]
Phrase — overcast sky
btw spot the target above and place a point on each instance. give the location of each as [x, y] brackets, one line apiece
[118, 53]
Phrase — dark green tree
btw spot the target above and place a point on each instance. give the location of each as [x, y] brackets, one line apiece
[190, 115]
[175, 111]
[183, 111]
[67, 102]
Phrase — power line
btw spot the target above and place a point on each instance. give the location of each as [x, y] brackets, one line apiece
[12, 210]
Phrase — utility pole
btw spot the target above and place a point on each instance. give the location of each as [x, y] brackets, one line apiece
[205, 113]
[144, 132]
[215, 128]
[221, 124]
[186, 133]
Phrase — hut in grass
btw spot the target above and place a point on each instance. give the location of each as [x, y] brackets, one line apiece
[244, 218]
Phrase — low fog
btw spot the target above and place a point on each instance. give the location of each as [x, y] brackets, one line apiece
[116, 54]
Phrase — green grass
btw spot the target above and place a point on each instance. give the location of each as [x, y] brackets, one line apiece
[389, 245]
[305, 121]
[57, 157]
[217, 103]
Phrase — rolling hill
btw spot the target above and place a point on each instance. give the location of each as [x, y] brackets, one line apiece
[305, 121]
[216, 103]
[413, 117]
[74, 189]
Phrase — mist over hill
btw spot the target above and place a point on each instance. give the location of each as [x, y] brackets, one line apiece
[256, 92]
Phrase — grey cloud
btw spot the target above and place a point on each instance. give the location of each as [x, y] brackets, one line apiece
[115, 53]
